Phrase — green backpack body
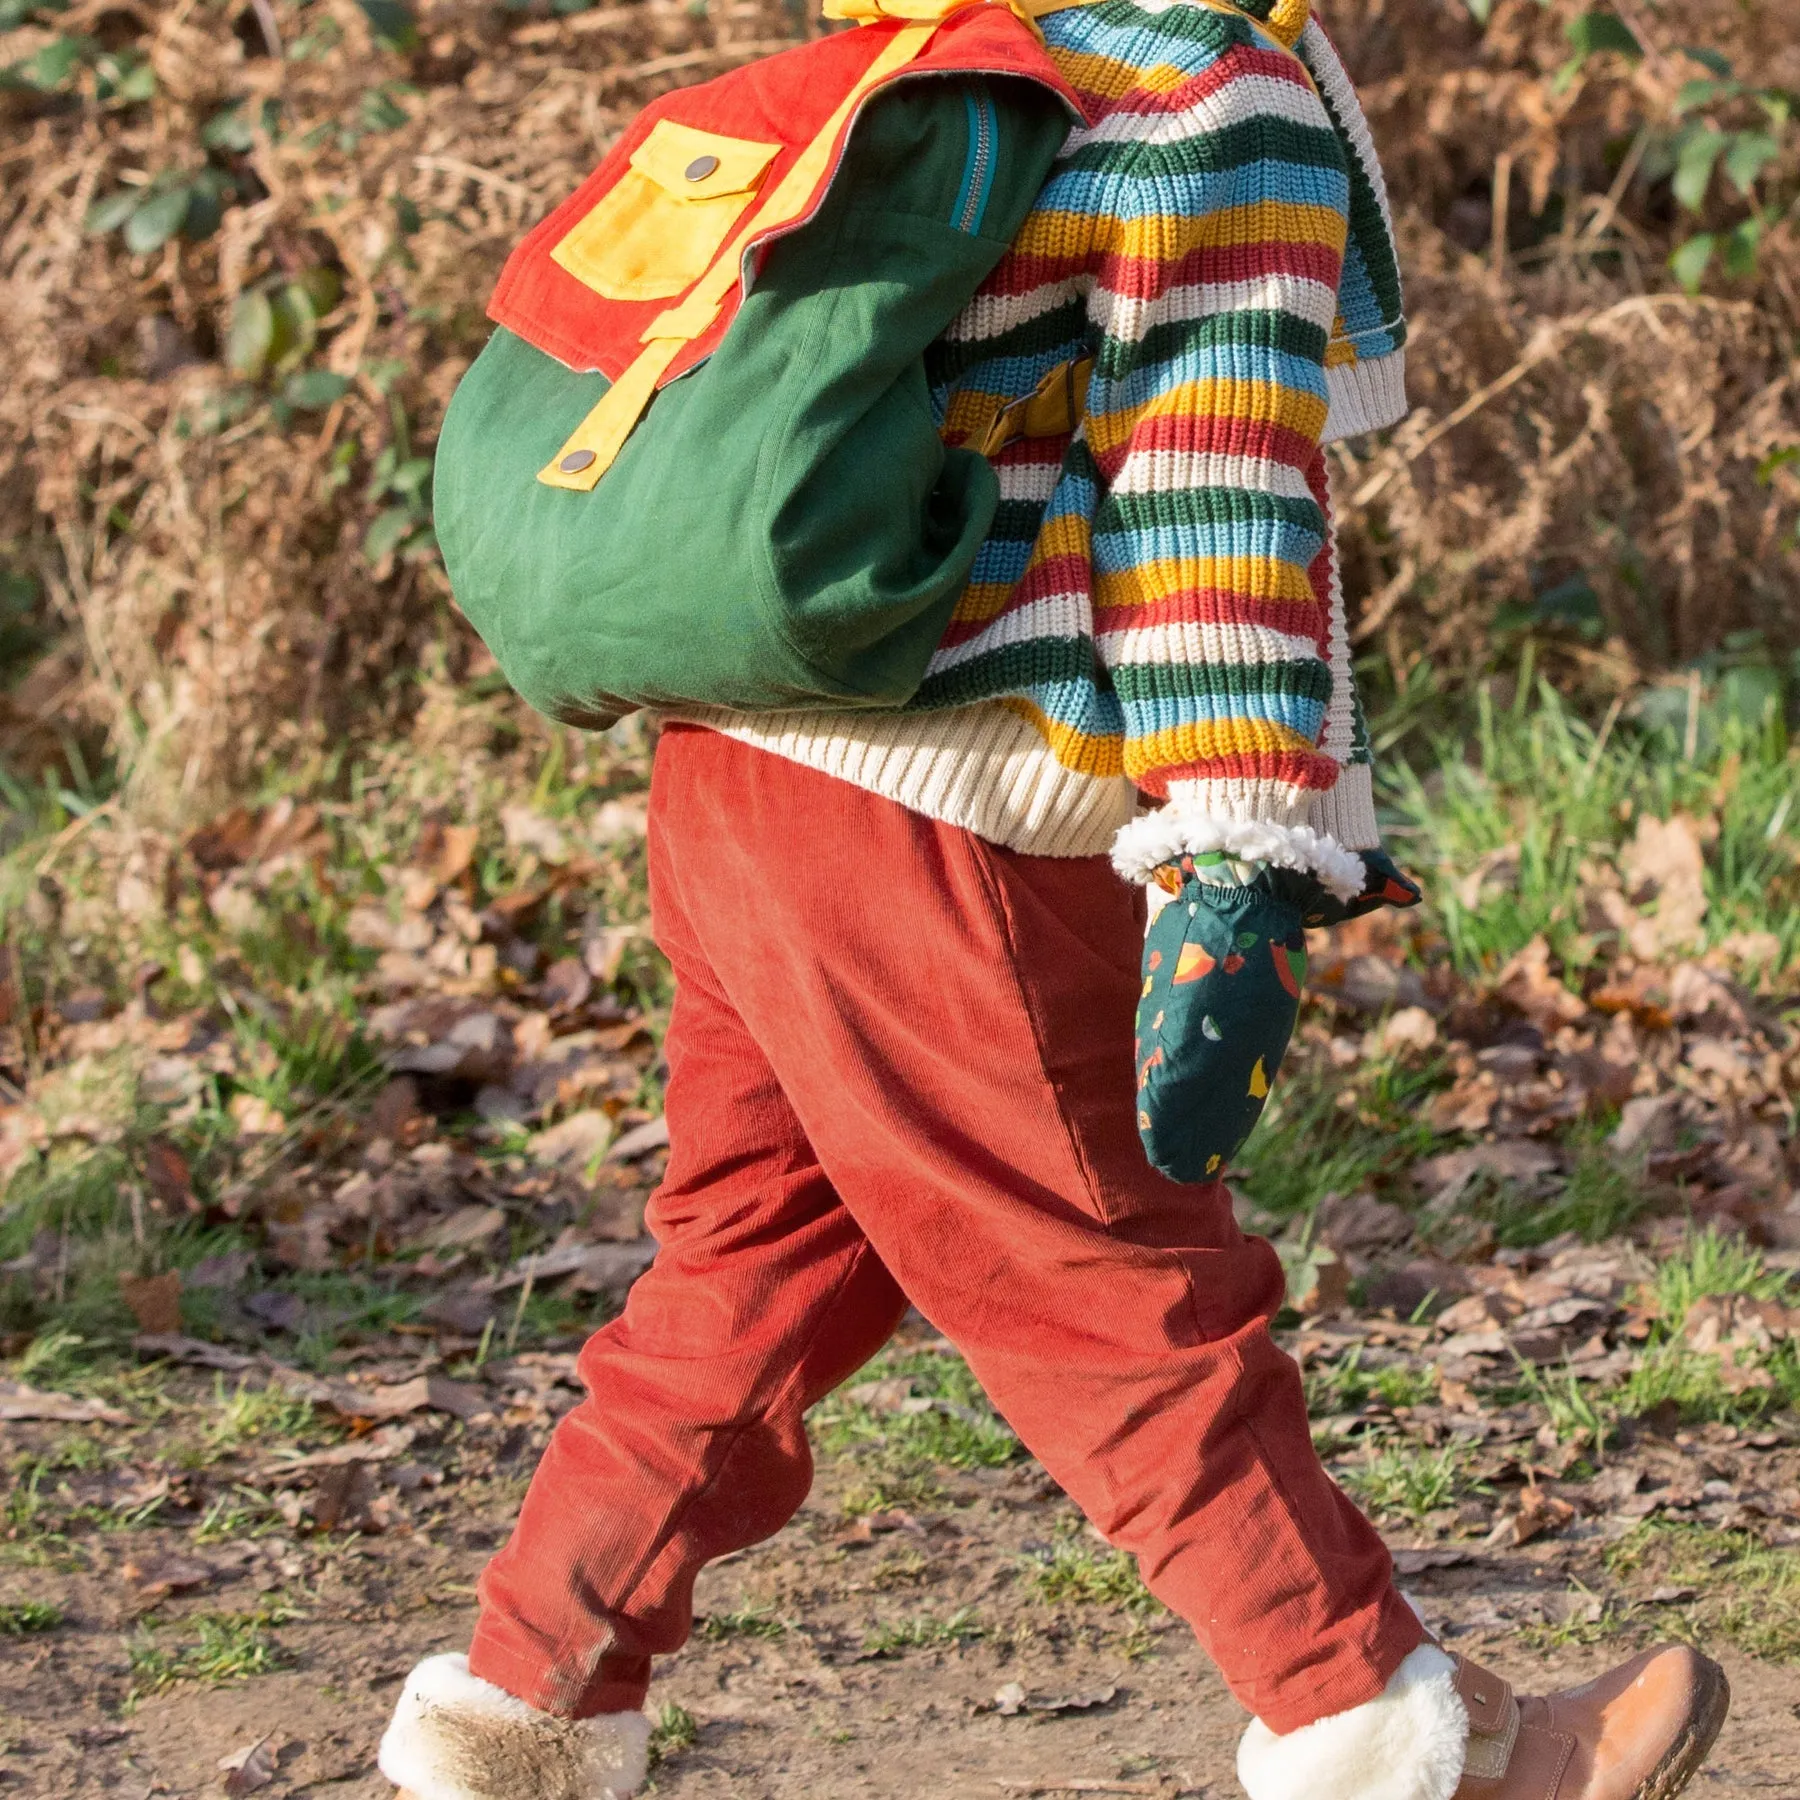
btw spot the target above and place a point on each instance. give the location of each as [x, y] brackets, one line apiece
[783, 527]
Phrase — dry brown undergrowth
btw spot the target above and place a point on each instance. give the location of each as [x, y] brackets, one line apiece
[204, 560]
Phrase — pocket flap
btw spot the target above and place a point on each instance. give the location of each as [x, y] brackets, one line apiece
[689, 164]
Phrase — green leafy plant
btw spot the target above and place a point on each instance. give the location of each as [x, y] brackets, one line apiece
[1767, 471]
[1723, 146]
[187, 203]
[400, 483]
[1729, 139]
[391, 22]
[20, 635]
[275, 325]
[1592, 34]
[234, 128]
[73, 62]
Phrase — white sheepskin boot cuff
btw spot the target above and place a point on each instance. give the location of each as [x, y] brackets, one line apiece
[1408, 1743]
[1155, 838]
[457, 1737]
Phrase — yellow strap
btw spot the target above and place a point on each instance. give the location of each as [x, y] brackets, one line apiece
[595, 443]
[1052, 408]
[866, 11]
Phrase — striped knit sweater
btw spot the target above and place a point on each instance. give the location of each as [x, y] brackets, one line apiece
[1157, 609]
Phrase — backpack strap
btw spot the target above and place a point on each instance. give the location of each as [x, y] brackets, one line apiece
[595, 443]
[598, 440]
[1052, 409]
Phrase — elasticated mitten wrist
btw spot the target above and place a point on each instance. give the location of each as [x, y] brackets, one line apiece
[1224, 963]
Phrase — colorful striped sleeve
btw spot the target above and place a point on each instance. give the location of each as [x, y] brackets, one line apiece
[1214, 295]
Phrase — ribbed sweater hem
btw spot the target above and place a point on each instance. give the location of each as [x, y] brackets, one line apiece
[984, 768]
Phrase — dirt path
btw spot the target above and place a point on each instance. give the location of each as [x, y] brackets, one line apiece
[802, 1681]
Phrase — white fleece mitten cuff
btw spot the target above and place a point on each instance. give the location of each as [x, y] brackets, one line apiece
[457, 1737]
[1183, 829]
[1408, 1743]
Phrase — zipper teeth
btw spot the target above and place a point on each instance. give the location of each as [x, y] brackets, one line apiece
[976, 203]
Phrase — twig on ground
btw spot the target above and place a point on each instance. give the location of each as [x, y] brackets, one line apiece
[1076, 1784]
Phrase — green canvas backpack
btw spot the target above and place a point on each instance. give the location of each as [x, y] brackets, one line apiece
[696, 462]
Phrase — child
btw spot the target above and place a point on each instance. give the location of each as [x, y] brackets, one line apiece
[901, 1058]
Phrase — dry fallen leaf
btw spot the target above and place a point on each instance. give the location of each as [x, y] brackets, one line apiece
[157, 1577]
[467, 1227]
[576, 1142]
[154, 1300]
[170, 1179]
[1411, 1030]
[1664, 865]
[1509, 1159]
[250, 1769]
[1012, 1700]
[255, 1117]
[893, 1396]
[640, 1140]
[1527, 985]
[528, 830]
[341, 1500]
[433, 1393]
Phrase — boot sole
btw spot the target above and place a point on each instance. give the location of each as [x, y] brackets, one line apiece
[1698, 1735]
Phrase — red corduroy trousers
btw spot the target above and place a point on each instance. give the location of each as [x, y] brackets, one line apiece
[900, 1067]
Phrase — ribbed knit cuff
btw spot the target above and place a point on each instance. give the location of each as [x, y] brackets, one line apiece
[1347, 811]
[1365, 395]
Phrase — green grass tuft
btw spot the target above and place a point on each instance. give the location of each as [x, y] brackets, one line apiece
[224, 1647]
[1712, 1262]
[1745, 1591]
[961, 1432]
[1537, 785]
[1400, 1479]
[1081, 1572]
[17, 1617]
[924, 1633]
[675, 1730]
[744, 1621]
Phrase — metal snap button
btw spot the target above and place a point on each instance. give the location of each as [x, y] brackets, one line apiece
[700, 168]
[576, 461]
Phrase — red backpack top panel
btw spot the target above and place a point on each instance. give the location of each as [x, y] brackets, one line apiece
[636, 236]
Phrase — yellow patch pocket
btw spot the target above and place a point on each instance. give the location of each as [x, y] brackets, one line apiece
[657, 229]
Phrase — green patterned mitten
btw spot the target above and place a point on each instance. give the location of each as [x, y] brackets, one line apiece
[1223, 967]
[1224, 963]
[1383, 885]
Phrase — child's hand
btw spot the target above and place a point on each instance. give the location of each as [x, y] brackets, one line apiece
[1224, 963]
[1222, 974]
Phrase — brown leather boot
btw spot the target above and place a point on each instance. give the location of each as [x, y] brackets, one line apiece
[1638, 1732]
